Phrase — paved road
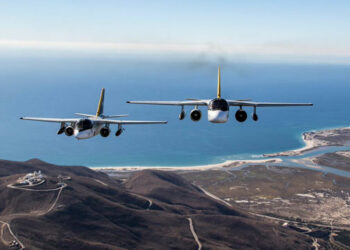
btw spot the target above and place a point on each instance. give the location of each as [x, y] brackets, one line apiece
[37, 190]
[150, 203]
[331, 236]
[38, 213]
[315, 244]
[195, 236]
[275, 218]
[212, 196]
[55, 202]
[101, 182]
[12, 234]
[2, 234]
[333, 241]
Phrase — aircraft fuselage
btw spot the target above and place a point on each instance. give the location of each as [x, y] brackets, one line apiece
[218, 116]
[92, 125]
[86, 129]
[218, 111]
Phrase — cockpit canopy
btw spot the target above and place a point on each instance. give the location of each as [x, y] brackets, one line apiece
[84, 124]
[218, 104]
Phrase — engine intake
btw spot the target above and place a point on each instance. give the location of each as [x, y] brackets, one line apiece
[69, 131]
[241, 115]
[196, 115]
[105, 132]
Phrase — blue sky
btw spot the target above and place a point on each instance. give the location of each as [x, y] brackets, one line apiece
[267, 29]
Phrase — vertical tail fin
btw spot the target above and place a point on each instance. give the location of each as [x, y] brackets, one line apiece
[101, 103]
[219, 84]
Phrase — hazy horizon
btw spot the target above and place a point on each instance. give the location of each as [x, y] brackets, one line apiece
[288, 31]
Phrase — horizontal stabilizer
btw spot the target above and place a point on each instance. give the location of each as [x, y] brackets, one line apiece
[114, 116]
[84, 115]
[101, 116]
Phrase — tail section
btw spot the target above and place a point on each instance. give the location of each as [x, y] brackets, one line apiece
[219, 84]
[101, 103]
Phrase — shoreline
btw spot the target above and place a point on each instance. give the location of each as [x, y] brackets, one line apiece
[317, 139]
[226, 164]
[312, 139]
[309, 145]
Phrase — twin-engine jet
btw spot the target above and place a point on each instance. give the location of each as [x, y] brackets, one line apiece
[218, 108]
[91, 125]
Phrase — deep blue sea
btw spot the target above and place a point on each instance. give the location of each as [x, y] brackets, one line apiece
[59, 87]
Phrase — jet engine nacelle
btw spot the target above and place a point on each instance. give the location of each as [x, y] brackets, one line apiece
[241, 115]
[104, 132]
[196, 115]
[69, 131]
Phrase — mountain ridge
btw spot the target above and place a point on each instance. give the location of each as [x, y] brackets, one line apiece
[150, 210]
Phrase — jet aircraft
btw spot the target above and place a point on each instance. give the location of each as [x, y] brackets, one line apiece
[218, 108]
[91, 125]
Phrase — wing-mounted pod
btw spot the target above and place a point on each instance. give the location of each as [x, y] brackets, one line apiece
[62, 128]
[254, 115]
[119, 130]
[182, 114]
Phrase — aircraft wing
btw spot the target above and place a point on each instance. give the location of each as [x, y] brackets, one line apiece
[175, 103]
[131, 122]
[265, 104]
[58, 120]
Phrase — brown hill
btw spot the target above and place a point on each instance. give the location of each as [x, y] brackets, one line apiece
[150, 211]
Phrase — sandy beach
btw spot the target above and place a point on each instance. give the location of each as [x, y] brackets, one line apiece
[317, 139]
[310, 144]
[235, 163]
[312, 140]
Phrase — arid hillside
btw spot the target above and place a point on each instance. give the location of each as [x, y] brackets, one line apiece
[78, 208]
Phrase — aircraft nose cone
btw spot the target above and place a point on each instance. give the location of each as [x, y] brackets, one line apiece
[218, 116]
[81, 135]
[86, 134]
[78, 136]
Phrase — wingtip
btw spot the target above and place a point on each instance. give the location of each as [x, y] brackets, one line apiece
[127, 101]
[21, 118]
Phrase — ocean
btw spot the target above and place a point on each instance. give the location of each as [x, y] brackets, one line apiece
[61, 86]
